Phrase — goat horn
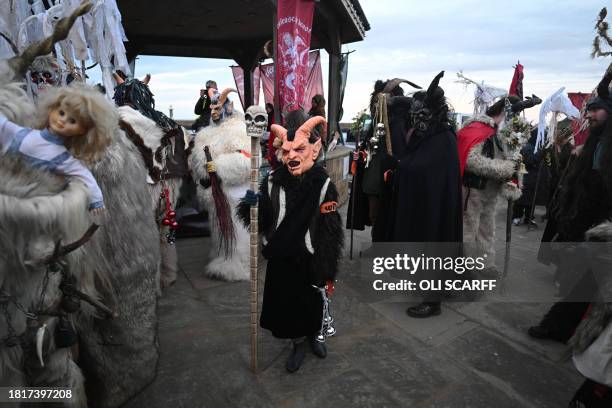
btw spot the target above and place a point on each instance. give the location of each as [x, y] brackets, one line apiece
[310, 124]
[395, 82]
[146, 79]
[279, 131]
[224, 94]
[20, 63]
[40, 340]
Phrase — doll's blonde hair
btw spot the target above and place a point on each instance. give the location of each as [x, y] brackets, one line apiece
[95, 112]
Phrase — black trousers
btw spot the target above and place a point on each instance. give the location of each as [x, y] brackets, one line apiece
[564, 317]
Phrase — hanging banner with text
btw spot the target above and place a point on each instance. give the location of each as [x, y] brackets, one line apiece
[293, 28]
[314, 83]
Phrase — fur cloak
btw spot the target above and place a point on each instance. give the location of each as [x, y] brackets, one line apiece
[301, 239]
[230, 150]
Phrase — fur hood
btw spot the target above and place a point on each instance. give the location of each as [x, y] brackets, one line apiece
[487, 120]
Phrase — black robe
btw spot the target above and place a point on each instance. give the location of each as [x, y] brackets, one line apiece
[291, 306]
[426, 190]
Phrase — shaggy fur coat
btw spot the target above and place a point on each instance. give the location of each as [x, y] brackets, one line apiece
[118, 265]
[228, 143]
[479, 205]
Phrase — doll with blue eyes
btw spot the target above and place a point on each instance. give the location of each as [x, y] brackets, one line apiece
[77, 123]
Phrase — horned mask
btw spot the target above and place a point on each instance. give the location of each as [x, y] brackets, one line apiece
[299, 150]
[218, 108]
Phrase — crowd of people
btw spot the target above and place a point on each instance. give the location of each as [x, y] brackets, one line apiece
[417, 179]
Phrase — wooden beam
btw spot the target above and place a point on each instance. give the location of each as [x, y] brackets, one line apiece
[333, 95]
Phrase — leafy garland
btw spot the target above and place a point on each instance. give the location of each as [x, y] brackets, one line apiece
[516, 133]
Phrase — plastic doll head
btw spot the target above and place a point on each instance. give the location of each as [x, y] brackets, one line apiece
[82, 117]
[300, 147]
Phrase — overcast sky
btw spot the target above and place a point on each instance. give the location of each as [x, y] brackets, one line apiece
[416, 40]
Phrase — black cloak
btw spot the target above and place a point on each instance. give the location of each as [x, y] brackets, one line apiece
[292, 307]
[426, 190]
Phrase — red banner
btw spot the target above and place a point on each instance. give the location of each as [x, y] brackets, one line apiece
[580, 126]
[267, 82]
[516, 86]
[239, 80]
[314, 83]
[293, 28]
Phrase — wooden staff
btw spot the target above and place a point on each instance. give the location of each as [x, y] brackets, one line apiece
[254, 250]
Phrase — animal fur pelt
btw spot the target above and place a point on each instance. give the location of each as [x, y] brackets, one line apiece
[120, 355]
[149, 139]
[36, 210]
[226, 142]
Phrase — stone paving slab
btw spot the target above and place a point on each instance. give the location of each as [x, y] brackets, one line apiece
[515, 371]
[473, 355]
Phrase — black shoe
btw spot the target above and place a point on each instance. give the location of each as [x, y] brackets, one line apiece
[424, 310]
[539, 332]
[296, 357]
[317, 348]
[545, 333]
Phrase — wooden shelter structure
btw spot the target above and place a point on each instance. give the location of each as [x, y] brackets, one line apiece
[237, 30]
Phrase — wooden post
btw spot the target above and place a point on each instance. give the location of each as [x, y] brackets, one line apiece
[333, 50]
[254, 250]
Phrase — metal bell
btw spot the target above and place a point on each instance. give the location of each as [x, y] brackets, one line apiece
[328, 319]
[320, 338]
[330, 331]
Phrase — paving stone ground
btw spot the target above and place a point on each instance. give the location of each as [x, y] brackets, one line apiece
[475, 354]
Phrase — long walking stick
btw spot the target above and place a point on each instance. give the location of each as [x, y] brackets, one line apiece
[254, 245]
[256, 120]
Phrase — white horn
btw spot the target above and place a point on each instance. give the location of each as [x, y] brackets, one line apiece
[40, 340]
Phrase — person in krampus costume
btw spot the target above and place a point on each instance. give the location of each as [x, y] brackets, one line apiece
[373, 157]
[583, 201]
[426, 188]
[303, 236]
[488, 167]
[161, 143]
[229, 147]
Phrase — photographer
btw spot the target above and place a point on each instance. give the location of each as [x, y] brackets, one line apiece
[202, 106]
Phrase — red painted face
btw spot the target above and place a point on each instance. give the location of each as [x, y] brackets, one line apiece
[300, 155]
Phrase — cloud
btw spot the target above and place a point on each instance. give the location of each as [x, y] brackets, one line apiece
[416, 40]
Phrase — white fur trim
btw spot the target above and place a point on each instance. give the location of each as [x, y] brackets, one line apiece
[282, 203]
[308, 239]
[480, 118]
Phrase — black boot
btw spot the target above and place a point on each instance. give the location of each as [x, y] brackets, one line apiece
[296, 357]
[425, 309]
[317, 348]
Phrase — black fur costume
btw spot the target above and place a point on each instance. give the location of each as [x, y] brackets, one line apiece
[292, 307]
